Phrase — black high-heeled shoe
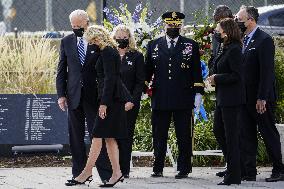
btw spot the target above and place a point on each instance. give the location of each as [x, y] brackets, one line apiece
[106, 185]
[74, 182]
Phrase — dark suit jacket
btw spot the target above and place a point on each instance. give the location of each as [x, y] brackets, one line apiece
[72, 77]
[177, 76]
[228, 78]
[215, 48]
[133, 74]
[110, 86]
[258, 62]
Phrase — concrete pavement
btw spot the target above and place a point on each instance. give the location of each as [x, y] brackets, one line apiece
[55, 177]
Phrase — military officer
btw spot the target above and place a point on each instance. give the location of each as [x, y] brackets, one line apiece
[173, 65]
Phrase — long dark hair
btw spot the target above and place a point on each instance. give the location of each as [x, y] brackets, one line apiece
[231, 28]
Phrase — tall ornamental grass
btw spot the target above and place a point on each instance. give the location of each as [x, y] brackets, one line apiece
[27, 66]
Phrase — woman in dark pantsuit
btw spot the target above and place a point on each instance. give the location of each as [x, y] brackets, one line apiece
[230, 96]
[114, 100]
[132, 75]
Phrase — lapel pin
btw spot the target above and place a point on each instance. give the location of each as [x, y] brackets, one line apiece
[92, 52]
[129, 63]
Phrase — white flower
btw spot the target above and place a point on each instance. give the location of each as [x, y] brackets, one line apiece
[145, 43]
[146, 27]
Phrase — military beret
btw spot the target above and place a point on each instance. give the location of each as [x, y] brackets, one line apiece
[174, 18]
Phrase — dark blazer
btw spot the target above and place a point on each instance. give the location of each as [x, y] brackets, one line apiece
[110, 86]
[228, 78]
[133, 74]
[258, 62]
[72, 77]
[177, 76]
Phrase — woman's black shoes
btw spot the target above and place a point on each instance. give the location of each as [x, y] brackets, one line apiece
[107, 185]
[74, 182]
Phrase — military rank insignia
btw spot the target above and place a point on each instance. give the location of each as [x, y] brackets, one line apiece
[184, 66]
[155, 53]
[156, 48]
[188, 49]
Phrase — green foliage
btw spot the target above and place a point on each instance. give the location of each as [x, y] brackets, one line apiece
[143, 129]
[279, 70]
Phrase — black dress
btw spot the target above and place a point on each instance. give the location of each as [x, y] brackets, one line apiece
[113, 94]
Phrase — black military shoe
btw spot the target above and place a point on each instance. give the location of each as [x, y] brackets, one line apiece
[181, 175]
[221, 173]
[157, 174]
[249, 178]
[275, 177]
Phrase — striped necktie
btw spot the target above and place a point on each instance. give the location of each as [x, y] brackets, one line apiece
[81, 51]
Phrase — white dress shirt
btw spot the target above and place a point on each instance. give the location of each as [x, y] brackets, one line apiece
[169, 41]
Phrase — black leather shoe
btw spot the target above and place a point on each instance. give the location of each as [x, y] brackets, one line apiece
[249, 178]
[74, 182]
[275, 177]
[108, 185]
[157, 174]
[226, 183]
[126, 176]
[221, 173]
[181, 175]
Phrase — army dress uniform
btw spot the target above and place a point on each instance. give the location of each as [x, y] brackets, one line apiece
[175, 70]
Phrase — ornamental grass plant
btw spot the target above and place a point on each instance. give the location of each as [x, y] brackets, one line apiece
[27, 66]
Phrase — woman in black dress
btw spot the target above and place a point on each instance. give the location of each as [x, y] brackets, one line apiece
[230, 96]
[132, 75]
[114, 100]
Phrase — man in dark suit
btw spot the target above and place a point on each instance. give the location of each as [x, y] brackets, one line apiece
[258, 114]
[77, 87]
[221, 12]
[173, 64]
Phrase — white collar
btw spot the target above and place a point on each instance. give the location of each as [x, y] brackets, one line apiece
[169, 39]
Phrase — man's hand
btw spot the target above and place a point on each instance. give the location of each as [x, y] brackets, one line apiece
[260, 106]
[128, 106]
[211, 80]
[102, 111]
[62, 102]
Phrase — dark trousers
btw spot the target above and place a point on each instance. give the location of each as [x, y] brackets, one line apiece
[86, 111]
[227, 133]
[160, 126]
[125, 148]
[265, 124]
[125, 145]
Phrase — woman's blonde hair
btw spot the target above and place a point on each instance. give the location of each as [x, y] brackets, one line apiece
[124, 28]
[99, 33]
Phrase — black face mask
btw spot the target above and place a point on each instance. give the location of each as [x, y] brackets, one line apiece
[79, 32]
[242, 26]
[173, 32]
[122, 43]
[218, 37]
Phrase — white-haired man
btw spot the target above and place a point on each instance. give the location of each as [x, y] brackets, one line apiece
[76, 87]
